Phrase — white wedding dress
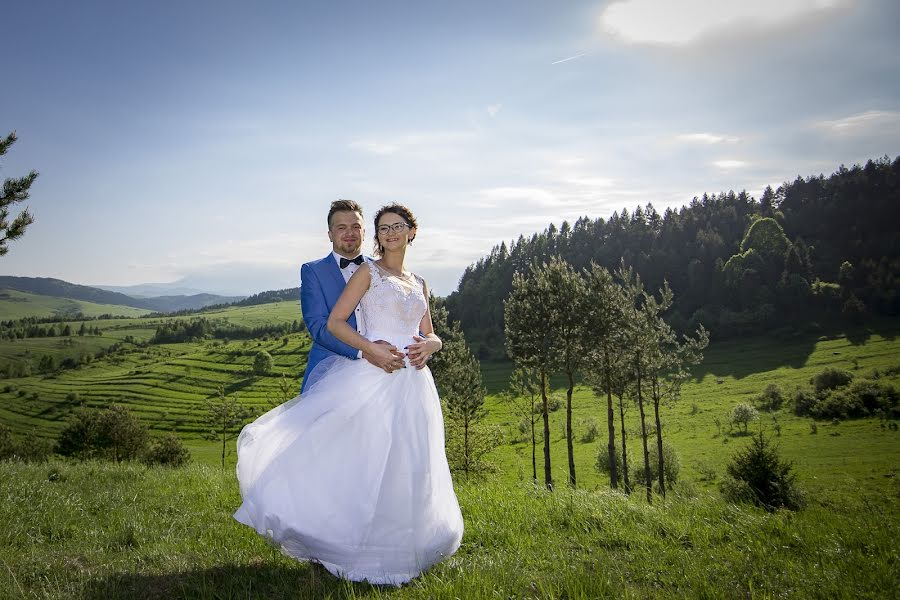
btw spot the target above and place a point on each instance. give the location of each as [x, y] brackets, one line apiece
[353, 473]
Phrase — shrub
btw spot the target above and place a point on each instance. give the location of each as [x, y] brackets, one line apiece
[671, 464]
[30, 449]
[743, 413]
[804, 401]
[602, 464]
[861, 399]
[114, 433]
[830, 379]
[168, 451]
[771, 399]
[263, 363]
[590, 431]
[758, 475]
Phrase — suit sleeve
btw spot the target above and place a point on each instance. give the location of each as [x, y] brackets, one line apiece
[315, 314]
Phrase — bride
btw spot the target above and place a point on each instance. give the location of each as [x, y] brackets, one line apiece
[352, 474]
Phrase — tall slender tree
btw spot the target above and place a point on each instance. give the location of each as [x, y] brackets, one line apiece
[568, 300]
[637, 340]
[529, 341]
[666, 361]
[605, 320]
[522, 395]
[225, 417]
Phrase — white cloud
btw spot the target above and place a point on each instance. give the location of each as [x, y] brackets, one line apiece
[730, 164]
[373, 147]
[706, 138]
[493, 109]
[871, 122]
[681, 22]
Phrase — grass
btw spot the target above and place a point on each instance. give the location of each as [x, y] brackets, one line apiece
[94, 530]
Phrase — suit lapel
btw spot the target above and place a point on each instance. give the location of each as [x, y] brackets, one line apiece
[337, 285]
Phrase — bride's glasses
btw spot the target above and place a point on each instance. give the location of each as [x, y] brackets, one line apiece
[396, 228]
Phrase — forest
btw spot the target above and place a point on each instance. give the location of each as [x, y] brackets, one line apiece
[813, 251]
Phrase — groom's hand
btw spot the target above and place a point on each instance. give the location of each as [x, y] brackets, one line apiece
[384, 356]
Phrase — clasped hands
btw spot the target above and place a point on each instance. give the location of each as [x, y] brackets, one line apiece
[387, 357]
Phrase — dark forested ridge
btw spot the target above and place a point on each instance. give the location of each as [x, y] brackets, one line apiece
[47, 286]
[814, 249]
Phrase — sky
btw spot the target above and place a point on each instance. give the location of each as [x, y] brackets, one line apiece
[202, 142]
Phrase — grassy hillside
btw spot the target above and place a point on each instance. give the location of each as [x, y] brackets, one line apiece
[165, 385]
[17, 305]
[105, 531]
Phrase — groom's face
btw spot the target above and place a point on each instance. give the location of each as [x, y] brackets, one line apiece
[346, 233]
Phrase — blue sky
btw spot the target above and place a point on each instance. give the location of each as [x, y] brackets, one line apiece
[204, 141]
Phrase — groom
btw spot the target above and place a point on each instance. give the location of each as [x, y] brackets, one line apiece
[323, 280]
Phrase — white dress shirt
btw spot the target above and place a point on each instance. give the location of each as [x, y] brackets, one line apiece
[348, 272]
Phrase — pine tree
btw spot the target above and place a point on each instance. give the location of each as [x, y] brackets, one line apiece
[529, 342]
[14, 190]
[225, 417]
[605, 321]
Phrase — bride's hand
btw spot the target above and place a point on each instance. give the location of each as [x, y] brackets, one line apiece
[421, 351]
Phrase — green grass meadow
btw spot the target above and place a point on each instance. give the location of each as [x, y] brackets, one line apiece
[95, 530]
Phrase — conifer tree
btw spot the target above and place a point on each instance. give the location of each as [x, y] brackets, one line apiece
[529, 341]
[14, 190]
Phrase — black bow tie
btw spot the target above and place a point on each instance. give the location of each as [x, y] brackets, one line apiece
[346, 261]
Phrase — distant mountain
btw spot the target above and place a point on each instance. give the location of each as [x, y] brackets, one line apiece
[154, 290]
[47, 286]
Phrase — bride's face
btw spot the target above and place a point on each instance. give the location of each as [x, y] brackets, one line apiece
[393, 232]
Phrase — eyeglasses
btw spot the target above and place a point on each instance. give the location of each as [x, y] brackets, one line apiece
[396, 228]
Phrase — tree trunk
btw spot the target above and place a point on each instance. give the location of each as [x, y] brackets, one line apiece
[640, 396]
[466, 445]
[533, 447]
[611, 426]
[659, 440]
[569, 448]
[224, 438]
[548, 476]
[624, 449]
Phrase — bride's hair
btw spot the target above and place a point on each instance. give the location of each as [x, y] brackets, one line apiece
[399, 210]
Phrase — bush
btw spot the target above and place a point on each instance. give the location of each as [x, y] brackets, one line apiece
[114, 433]
[263, 363]
[591, 431]
[743, 413]
[830, 379]
[771, 399]
[671, 464]
[168, 451]
[29, 449]
[602, 464]
[804, 401]
[861, 399]
[758, 475]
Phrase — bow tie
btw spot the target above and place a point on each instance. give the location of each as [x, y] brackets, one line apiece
[346, 261]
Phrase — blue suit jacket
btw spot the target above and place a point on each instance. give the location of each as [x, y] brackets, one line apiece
[321, 284]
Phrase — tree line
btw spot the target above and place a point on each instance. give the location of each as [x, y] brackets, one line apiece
[178, 331]
[815, 249]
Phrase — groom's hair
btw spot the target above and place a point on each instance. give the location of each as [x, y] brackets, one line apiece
[342, 205]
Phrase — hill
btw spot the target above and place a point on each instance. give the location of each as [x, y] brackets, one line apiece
[57, 288]
[15, 304]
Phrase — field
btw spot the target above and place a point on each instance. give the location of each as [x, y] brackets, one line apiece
[94, 530]
[99, 530]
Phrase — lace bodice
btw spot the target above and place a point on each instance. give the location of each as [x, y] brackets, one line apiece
[393, 306]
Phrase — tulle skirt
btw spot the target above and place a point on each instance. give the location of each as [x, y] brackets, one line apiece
[353, 474]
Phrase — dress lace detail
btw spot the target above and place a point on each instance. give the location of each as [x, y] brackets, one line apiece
[393, 306]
